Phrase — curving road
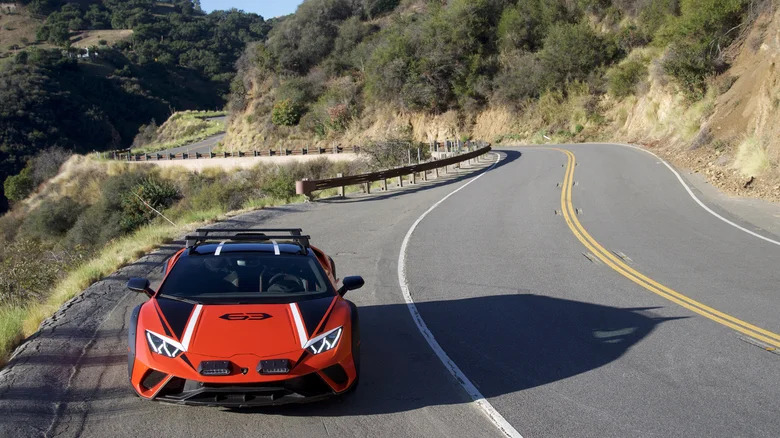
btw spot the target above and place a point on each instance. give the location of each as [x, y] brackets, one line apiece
[204, 146]
[556, 333]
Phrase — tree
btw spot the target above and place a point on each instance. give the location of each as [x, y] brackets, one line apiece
[18, 187]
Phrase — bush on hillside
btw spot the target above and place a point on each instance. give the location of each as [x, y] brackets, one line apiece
[282, 185]
[18, 187]
[374, 8]
[390, 153]
[571, 52]
[52, 219]
[286, 113]
[150, 193]
[624, 77]
[28, 269]
[689, 65]
[697, 36]
[521, 77]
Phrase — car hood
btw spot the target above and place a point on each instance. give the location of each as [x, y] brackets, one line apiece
[222, 331]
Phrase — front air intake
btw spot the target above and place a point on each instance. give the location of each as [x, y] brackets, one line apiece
[214, 368]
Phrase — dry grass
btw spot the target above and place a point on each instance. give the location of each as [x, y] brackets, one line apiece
[751, 159]
[18, 29]
[183, 128]
[89, 38]
[11, 322]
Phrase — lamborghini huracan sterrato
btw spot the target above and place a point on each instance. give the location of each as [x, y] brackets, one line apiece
[245, 318]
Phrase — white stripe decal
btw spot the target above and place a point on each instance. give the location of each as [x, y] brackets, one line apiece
[219, 248]
[276, 247]
[185, 342]
[302, 335]
[479, 400]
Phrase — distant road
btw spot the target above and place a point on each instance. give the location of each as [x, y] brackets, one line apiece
[202, 147]
[527, 279]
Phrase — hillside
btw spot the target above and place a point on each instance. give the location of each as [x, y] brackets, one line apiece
[146, 60]
[659, 72]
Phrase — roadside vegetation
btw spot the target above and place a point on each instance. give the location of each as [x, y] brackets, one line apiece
[466, 56]
[146, 60]
[182, 128]
[505, 71]
[90, 219]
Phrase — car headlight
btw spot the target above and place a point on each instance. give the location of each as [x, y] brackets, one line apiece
[163, 345]
[324, 342]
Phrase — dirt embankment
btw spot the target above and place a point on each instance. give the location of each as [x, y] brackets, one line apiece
[733, 135]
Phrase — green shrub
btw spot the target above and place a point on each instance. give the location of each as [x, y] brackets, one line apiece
[281, 185]
[28, 268]
[286, 113]
[572, 51]
[52, 219]
[623, 77]
[18, 187]
[373, 8]
[689, 65]
[95, 227]
[137, 204]
[695, 37]
[521, 77]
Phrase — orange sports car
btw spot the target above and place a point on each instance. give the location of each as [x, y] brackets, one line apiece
[244, 318]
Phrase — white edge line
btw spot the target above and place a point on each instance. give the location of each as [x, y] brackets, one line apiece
[302, 335]
[185, 342]
[698, 201]
[481, 402]
[276, 248]
[219, 248]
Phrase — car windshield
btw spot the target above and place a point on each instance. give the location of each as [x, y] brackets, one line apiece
[237, 277]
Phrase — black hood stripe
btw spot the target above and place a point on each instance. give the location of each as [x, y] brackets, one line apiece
[162, 322]
[176, 313]
[186, 360]
[313, 311]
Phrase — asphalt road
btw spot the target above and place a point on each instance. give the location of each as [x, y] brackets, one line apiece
[557, 341]
[204, 146]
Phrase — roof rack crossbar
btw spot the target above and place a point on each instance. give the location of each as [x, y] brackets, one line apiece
[245, 236]
[292, 231]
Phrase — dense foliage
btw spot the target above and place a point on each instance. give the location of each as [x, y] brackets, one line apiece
[435, 56]
[177, 58]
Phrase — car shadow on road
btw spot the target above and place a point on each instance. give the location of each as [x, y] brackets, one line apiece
[506, 157]
[503, 343]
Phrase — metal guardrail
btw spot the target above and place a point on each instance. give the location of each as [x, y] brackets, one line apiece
[154, 156]
[306, 187]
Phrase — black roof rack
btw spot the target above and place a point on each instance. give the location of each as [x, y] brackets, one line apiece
[203, 235]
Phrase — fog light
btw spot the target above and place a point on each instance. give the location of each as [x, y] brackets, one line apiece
[214, 368]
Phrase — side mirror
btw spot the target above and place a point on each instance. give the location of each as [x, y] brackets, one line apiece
[139, 285]
[351, 283]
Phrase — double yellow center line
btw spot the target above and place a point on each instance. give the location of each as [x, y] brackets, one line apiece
[769, 338]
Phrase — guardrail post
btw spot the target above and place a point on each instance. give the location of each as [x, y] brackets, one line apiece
[414, 177]
[425, 175]
[367, 187]
[341, 189]
[437, 172]
[384, 184]
[400, 181]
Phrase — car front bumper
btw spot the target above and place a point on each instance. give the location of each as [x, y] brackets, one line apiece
[304, 389]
